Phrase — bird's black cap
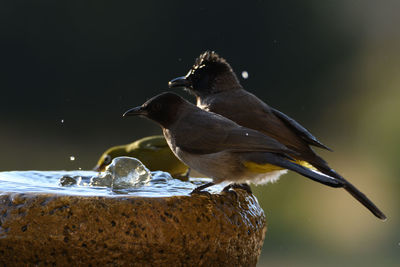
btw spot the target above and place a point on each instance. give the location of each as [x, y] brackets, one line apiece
[161, 108]
[210, 74]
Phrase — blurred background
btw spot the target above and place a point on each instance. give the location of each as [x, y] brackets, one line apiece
[69, 69]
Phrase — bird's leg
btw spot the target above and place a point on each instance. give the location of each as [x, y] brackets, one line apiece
[245, 187]
[186, 174]
[198, 190]
[183, 177]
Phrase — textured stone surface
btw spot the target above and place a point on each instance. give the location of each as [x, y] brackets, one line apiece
[217, 229]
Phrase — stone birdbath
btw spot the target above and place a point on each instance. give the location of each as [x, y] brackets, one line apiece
[124, 217]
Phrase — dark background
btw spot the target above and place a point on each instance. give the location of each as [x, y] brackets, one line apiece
[332, 65]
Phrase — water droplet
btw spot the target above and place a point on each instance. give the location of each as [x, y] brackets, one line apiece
[67, 181]
[123, 172]
[245, 74]
[72, 158]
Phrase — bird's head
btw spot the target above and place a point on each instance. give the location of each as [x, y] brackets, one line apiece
[163, 108]
[108, 156]
[210, 74]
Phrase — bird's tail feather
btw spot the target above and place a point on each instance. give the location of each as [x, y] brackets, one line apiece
[324, 175]
[313, 175]
[357, 194]
[363, 199]
[265, 160]
[351, 189]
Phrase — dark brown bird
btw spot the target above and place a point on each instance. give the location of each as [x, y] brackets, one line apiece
[217, 89]
[218, 147]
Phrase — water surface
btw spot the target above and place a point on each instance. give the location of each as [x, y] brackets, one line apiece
[161, 184]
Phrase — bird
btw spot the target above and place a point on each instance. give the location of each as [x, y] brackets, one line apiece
[217, 89]
[220, 148]
[152, 151]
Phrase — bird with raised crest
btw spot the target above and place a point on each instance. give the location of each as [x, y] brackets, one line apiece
[217, 89]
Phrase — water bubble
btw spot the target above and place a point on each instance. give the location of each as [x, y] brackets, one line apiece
[122, 173]
[62, 121]
[72, 158]
[245, 74]
[69, 181]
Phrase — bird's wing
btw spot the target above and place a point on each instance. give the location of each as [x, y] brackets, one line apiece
[249, 111]
[212, 133]
[299, 129]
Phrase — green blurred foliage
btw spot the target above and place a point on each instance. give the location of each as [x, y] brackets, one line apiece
[332, 65]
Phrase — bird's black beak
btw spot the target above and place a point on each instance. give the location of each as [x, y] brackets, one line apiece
[180, 82]
[135, 111]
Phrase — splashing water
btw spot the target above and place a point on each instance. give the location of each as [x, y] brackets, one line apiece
[123, 172]
[118, 179]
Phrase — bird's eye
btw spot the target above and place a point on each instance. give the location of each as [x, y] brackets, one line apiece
[107, 160]
[195, 74]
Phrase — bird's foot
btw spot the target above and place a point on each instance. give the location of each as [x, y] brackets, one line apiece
[199, 190]
[245, 187]
[183, 176]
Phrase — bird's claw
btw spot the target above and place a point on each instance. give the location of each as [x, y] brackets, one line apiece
[245, 187]
[200, 192]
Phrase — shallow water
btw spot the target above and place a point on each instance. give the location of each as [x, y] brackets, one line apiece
[160, 185]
